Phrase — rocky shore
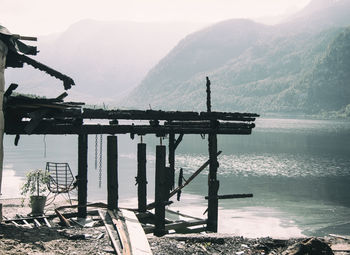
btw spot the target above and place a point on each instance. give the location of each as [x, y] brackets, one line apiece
[58, 239]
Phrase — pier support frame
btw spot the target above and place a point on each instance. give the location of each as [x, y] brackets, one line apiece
[213, 185]
[141, 178]
[171, 158]
[82, 174]
[160, 191]
[112, 173]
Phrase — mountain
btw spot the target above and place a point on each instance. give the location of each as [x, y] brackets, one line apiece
[313, 7]
[319, 15]
[328, 83]
[296, 66]
[105, 59]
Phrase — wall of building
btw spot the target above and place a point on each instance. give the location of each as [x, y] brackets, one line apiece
[3, 53]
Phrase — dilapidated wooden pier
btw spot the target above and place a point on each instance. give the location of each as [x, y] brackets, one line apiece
[26, 115]
[29, 116]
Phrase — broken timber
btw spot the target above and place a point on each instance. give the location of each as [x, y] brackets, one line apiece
[125, 232]
[29, 222]
[26, 115]
[179, 188]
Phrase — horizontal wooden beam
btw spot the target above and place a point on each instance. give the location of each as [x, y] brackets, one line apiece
[208, 124]
[165, 115]
[25, 38]
[55, 129]
[232, 196]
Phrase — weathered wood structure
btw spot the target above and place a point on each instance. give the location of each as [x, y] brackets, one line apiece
[54, 116]
[41, 116]
[13, 53]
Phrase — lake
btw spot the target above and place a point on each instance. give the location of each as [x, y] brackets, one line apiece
[298, 171]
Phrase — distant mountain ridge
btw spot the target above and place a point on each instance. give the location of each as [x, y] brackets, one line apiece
[296, 66]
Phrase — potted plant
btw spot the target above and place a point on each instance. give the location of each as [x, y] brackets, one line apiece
[35, 185]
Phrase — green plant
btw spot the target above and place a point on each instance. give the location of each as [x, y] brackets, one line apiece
[36, 182]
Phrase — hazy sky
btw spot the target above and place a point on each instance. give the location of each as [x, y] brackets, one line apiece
[39, 17]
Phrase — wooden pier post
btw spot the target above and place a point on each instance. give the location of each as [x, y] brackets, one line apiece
[171, 159]
[82, 174]
[141, 178]
[160, 191]
[213, 183]
[112, 172]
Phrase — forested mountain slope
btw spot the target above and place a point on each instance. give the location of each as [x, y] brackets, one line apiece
[291, 68]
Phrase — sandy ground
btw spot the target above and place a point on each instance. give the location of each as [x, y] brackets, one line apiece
[94, 240]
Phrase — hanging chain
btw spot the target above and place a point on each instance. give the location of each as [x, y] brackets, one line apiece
[100, 163]
[96, 152]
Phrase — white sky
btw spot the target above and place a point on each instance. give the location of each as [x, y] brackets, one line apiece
[40, 17]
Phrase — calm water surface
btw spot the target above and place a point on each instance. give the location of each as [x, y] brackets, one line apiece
[298, 171]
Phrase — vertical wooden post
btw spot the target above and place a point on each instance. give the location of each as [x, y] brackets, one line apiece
[82, 174]
[112, 172]
[141, 178]
[171, 159]
[208, 95]
[160, 191]
[213, 183]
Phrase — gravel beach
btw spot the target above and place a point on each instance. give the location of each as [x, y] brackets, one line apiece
[94, 240]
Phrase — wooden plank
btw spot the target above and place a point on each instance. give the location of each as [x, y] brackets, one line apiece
[180, 226]
[122, 233]
[184, 224]
[340, 236]
[37, 223]
[15, 223]
[63, 220]
[107, 221]
[137, 237]
[232, 196]
[47, 222]
[27, 224]
[191, 230]
[341, 247]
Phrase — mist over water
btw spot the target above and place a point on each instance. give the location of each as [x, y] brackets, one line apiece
[298, 171]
